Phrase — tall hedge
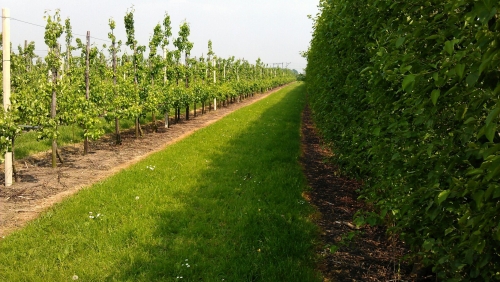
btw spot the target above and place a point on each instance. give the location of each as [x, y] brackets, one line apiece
[408, 93]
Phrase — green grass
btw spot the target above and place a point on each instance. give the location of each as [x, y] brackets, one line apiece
[225, 200]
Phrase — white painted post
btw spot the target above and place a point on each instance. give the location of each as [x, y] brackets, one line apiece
[215, 81]
[6, 85]
[6, 57]
[87, 89]
[8, 169]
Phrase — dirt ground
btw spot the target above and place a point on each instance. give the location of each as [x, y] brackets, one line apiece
[369, 257]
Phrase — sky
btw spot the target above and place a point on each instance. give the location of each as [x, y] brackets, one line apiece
[274, 30]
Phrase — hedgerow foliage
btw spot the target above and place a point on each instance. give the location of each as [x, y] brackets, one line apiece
[408, 91]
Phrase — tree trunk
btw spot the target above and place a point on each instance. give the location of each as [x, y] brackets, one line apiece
[54, 153]
[86, 145]
[53, 116]
[187, 112]
[14, 170]
[59, 156]
[141, 133]
[117, 131]
[155, 126]
[137, 127]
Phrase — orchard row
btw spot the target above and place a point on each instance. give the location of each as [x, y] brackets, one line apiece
[99, 86]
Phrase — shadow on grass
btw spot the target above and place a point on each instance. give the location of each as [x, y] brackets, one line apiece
[244, 218]
[223, 204]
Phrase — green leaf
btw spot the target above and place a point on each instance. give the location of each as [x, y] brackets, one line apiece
[491, 151]
[435, 76]
[366, 69]
[429, 150]
[493, 114]
[376, 131]
[443, 196]
[459, 55]
[435, 36]
[334, 249]
[472, 79]
[435, 95]
[480, 246]
[478, 198]
[490, 131]
[408, 82]
[485, 63]
[438, 81]
[405, 69]
[451, 90]
[449, 230]
[489, 192]
[464, 218]
[428, 244]
[475, 171]
[449, 47]
[494, 168]
[400, 41]
[469, 120]
[460, 68]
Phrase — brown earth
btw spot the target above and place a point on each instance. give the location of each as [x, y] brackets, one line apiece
[370, 255]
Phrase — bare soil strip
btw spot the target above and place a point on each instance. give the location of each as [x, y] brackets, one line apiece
[42, 186]
[370, 255]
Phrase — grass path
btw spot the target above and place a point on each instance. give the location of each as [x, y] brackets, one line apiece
[224, 204]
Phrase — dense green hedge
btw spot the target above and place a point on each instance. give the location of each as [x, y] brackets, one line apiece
[408, 91]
